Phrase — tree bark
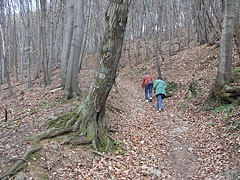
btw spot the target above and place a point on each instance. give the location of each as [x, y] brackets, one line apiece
[4, 51]
[224, 74]
[67, 41]
[71, 87]
[44, 43]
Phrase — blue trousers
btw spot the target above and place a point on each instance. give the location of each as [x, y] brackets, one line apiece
[148, 89]
[159, 101]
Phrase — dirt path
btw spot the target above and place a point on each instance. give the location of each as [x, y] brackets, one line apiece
[163, 139]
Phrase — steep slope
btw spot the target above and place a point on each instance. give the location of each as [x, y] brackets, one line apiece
[182, 142]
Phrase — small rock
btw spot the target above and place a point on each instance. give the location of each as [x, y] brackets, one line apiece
[8, 146]
[190, 150]
[142, 142]
[19, 177]
[140, 109]
[155, 172]
[231, 174]
[180, 129]
[144, 167]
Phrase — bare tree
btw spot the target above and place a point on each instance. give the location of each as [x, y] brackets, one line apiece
[89, 118]
[71, 87]
[224, 74]
[4, 49]
[44, 42]
[67, 41]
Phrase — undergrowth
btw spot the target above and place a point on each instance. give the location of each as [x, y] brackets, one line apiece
[230, 114]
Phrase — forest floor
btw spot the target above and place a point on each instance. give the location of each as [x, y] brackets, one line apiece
[190, 139]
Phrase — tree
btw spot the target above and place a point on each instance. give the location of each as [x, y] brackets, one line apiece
[71, 85]
[224, 74]
[88, 120]
[67, 41]
[43, 4]
[4, 49]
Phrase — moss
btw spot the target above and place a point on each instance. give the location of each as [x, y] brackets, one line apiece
[61, 121]
[105, 144]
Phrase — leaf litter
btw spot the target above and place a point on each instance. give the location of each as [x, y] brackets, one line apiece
[182, 142]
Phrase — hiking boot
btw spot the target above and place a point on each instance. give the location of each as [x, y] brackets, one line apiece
[150, 99]
[146, 100]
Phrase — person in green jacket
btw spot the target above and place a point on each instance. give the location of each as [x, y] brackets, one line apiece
[159, 87]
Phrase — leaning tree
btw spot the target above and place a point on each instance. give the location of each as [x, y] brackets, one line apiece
[87, 122]
[222, 91]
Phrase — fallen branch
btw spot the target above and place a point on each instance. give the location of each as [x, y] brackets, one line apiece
[55, 90]
[14, 169]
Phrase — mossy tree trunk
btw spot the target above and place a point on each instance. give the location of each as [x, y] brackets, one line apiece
[224, 74]
[88, 120]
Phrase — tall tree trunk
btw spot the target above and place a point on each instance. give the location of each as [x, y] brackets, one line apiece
[85, 36]
[4, 48]
[39, 29]
[237, 31]
[224, 74]
[15, 46]
[71, 87]
[28, 48]
[67, 41]
[44, 43]
[6, 72]
[51, 28]
[189, 20]
[179, 34]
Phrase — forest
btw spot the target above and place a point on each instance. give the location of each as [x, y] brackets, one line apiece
[71, 101]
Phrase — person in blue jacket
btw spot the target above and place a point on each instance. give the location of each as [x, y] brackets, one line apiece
[159, 87]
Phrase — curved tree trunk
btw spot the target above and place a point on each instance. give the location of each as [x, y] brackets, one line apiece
[92, 110]
[88, 120]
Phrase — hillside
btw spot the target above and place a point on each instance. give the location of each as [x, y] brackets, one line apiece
[190, 139]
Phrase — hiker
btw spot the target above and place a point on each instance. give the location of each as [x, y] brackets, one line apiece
[147, 83]
[159, 87]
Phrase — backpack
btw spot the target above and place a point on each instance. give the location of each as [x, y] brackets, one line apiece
[149, 82]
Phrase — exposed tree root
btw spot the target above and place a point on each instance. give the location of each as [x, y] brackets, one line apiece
[53, 132]
[15, 168]
[76, 140]
[229, 93]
